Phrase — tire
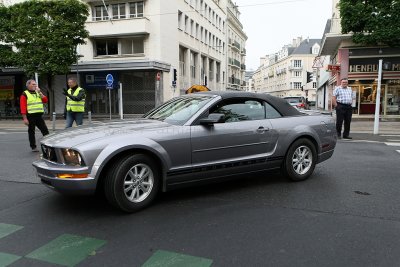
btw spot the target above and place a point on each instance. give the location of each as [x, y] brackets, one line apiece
[302, 150]
[133, 183]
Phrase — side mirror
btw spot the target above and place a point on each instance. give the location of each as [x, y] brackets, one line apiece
[212, 119]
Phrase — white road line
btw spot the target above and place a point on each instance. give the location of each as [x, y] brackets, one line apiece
[392, 144]
[390, 135]
[393, 140]
[12, 132]
[398, 151]
[362, 141]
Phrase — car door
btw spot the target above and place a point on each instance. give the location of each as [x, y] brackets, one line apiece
[243, 135]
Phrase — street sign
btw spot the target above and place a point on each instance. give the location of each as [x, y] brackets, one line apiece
[110, 81]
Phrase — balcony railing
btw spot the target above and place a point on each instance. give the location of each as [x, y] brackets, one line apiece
[237, 45]
[295, 67]
[234, 62]
[243, 66]
[243, 51]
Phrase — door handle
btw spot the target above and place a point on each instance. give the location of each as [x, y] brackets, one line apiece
[261, 129]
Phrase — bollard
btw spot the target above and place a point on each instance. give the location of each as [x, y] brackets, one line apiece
[90, 117]
[54, 121]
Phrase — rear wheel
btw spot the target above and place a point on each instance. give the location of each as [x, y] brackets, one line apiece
[133, 183]
[300, 160]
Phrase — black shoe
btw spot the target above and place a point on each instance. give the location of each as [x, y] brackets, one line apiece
[35, 149]
[347, 137]
[339, 137]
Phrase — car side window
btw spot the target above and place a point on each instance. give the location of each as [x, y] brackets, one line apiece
[271, 112]
[240, 110]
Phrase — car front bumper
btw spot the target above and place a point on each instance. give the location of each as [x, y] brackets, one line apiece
[47, 173]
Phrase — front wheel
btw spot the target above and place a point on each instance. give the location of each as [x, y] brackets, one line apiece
[300, 160]
[133, 183]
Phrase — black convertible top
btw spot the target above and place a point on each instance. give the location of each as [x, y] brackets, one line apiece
[279, 103]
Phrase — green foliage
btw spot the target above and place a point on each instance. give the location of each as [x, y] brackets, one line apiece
[372, 22]
[44, 33]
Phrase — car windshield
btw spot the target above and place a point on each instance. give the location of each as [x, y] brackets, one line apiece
[179, 110]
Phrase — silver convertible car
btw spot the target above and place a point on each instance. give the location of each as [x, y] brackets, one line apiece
[191, 139]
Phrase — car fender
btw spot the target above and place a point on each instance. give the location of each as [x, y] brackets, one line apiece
[115, 148]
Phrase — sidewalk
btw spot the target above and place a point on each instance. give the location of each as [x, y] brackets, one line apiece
[357, 126]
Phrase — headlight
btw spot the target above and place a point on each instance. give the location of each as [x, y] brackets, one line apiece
[72, 157]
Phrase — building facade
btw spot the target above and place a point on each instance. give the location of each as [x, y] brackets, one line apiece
[284, 73]
[156, 50]
[236, 48]
[359, 64]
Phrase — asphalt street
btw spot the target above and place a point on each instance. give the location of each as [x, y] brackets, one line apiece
[346, 214]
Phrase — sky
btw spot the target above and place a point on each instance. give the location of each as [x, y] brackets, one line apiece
[271, 24]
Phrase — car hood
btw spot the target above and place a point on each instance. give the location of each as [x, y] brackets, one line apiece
[83, 134]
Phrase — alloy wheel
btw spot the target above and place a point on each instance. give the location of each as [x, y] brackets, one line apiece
[138, 183]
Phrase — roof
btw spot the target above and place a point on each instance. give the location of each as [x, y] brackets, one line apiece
[305, 46]
[279, 103]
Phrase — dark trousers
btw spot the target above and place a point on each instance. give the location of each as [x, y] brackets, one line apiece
[36, 120]
[343, 114]
[73, 116]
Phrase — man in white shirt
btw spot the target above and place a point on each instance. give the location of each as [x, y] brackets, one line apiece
[342, 100]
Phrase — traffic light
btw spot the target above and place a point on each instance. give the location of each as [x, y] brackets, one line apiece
[175, 75]
[309, 76]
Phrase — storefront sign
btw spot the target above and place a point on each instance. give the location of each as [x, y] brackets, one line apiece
[333, 67]
[371, 65]
[97, 80]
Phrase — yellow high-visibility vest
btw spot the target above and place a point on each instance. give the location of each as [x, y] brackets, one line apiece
[75, 106]
[34, 102]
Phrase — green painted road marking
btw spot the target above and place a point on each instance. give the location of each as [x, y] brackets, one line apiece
[67, 250]
[7, 259]
[163, 258]
[8, 229]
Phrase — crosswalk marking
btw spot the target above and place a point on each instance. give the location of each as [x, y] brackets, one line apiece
[67, 250]
[8, 229]
[390, 135]
[392, 144]
[7, 259]
[393, 140]
[172, 259]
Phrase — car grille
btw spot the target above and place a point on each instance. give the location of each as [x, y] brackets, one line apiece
[49, 153]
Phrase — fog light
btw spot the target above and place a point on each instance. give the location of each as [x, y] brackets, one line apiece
[72, 175]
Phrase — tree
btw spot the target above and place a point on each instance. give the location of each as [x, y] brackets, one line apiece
[44, 35]
[372, 22]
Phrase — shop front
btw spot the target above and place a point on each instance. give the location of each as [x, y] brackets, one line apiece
[363, 79]
[11, 87]
[138, 91]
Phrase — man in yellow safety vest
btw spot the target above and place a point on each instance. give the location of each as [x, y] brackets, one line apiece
[32, 109]
[75, 103]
